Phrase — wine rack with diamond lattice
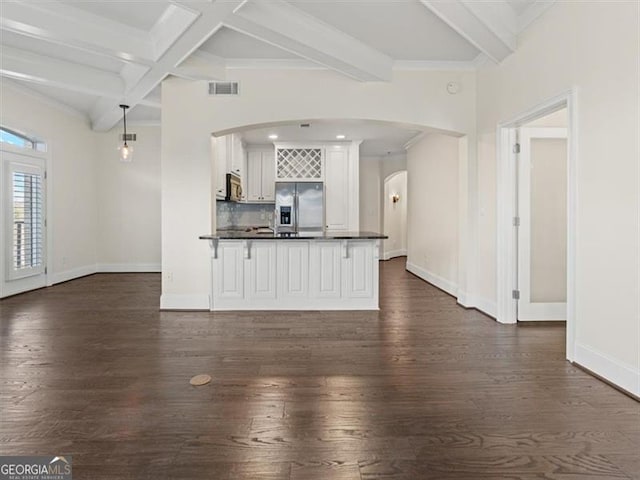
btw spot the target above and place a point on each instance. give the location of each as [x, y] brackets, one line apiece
[299, 164]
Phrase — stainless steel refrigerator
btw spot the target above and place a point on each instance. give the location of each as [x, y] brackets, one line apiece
[299, 207]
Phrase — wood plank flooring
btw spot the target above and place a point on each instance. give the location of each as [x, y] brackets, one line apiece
[422, 389]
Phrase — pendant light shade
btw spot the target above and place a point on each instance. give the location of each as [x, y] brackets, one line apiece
[125, 150]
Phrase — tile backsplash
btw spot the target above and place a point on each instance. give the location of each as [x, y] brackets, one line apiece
[230, 214]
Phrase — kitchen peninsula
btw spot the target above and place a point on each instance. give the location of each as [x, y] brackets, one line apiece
[294, 271]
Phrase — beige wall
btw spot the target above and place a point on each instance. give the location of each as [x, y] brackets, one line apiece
[104, 214]
[129, 202]
[370, 194]
[189, 116]
[71, 181]
[594, 47]
[432, 212]
[395, 215]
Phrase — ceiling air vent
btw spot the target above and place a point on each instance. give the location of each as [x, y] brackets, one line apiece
[129, 137]
[223, 88]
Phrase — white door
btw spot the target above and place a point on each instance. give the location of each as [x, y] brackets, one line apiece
[542, 234]
[23, 218]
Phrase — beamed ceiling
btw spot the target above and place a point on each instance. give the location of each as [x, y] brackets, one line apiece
[92, 55]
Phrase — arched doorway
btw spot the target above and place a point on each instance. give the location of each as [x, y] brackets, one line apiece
[394, 202]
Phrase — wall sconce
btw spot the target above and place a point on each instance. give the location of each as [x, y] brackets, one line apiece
[395, 198]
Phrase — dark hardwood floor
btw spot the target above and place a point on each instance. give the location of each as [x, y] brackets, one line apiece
[422, 389]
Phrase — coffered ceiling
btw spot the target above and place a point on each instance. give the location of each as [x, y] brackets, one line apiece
[92, 55]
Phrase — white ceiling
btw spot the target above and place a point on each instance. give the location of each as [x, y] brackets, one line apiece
[134, 13]
[230, 44]
[377, 138]
[403, 30]
[92, 55]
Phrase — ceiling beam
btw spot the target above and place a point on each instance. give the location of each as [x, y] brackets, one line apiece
[72, 27]
[281, 24]
[104, 116]
[486, 25]
[33, 68]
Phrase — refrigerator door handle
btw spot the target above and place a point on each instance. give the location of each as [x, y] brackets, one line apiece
[295, 211]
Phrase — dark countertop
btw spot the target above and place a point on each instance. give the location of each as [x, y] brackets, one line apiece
[315, 235]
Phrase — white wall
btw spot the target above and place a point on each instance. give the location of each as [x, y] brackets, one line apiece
[189, 116]
[557, 52]
[129, 202]
[370, 194]
[373, 171]
[103, 215]
[395, 215]
[71, 181]
[432, 211]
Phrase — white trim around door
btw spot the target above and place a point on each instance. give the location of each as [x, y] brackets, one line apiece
[507, 210]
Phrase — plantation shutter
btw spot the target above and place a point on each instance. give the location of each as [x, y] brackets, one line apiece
[26, 216]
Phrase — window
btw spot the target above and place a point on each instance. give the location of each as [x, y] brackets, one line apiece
[11, 137]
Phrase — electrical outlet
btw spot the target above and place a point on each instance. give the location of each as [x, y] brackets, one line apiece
[263, 216]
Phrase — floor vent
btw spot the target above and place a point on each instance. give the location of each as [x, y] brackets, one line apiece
[223, 88]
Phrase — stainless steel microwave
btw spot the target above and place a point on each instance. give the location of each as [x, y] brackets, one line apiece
[234, 188]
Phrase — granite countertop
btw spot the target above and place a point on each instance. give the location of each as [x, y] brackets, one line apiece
[263, 234]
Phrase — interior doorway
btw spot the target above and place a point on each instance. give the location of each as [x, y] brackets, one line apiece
[536, 215]
[395, 215]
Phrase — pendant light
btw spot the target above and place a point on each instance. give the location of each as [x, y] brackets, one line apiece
[126, 151]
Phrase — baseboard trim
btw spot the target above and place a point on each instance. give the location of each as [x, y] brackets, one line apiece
[619, 374]
[72, 274]
[437, 281]
[394, 254]
[172, 301]
[129, 268]
[481, 304]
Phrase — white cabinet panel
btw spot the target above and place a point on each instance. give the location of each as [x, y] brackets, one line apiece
[260, 176]
[293, 269]
[236, 154]
[325, 270]
[229, 270]
[254, 176]
[269, 176]
[337, 188]
[357, 271]
[261, 270]
[219, 151]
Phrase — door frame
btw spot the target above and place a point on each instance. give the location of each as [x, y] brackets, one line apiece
[507, 190]
[42, 153]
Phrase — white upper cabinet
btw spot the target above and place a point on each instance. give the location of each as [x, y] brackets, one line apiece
[337, 188]
[260, 176]
[219, 148]
[236, 156]
[230, 158]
